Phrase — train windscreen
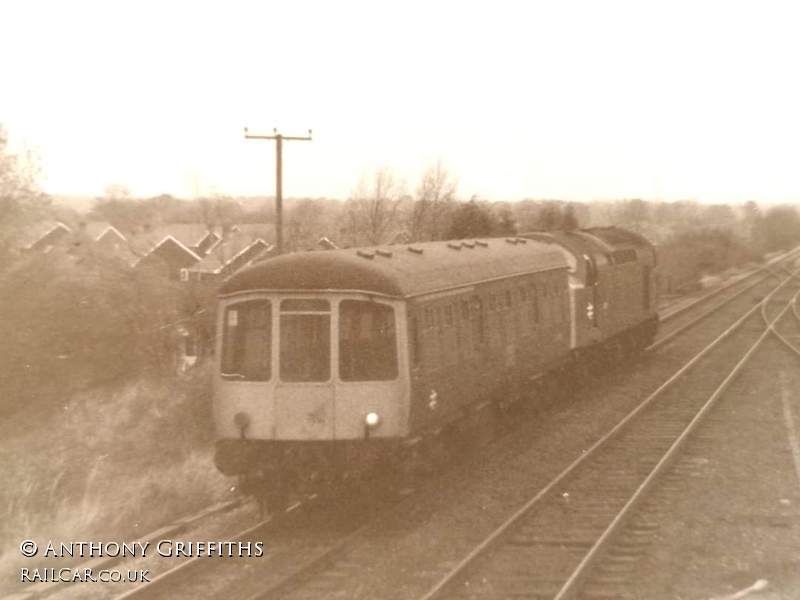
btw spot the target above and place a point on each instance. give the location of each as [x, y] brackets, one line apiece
[367, 341]
[305, 349]
[247, 341]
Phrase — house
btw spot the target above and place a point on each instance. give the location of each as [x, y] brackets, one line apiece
[41, 237]
[326, 243]
[167, 248]
[227, 256]
[195, 236]
[105, 236]
[212, 238]
[97, 236]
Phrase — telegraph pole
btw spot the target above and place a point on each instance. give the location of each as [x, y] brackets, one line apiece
[279, 139]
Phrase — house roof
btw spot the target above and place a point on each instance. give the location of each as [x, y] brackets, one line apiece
[186, 234]
[96, 229]
[28, 236]
[399, 271]
[225, 252]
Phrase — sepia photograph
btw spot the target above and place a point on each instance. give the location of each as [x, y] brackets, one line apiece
[399, 300]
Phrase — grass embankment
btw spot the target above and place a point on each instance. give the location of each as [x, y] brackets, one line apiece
[108, 464]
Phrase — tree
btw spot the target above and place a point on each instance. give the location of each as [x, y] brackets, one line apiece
[217, 211]
[75, 317]
[633, 213]
[779, 228]
[503, 221]
[549, 218]
[372, 209]
[21, 201]
[569, 221]
[306, 224]
[434, 197]
[470, 220]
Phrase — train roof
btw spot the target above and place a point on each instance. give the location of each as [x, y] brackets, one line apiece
[406, 270]
[614, 243]
[619, 237]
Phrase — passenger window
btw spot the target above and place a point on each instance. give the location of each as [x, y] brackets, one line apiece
[305, 339]
[591, 271]
[534, 304]
[367, 341]
[476, 317]
[247, 341]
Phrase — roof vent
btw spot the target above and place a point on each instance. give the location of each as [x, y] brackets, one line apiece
[481, 244]
[454, 246]
[384, 253]
[365, 254]
[415, 250]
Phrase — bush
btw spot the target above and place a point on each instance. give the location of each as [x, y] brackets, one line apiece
[72, 321]
[686, 257]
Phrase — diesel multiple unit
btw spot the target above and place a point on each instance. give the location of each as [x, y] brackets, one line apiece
[332, 358]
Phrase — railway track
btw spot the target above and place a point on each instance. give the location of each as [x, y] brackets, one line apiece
[674, 321]
[317, 577]
[548, 547]
[660, 551]
[678, 308]
[318, 555]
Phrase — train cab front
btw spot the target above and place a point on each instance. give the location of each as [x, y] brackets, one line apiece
[309, 386]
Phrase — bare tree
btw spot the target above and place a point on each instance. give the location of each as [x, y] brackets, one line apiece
[306, 224]
[436, 191]
[372, 210]
[21, 200]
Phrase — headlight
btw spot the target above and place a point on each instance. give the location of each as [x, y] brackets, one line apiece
[372, 420]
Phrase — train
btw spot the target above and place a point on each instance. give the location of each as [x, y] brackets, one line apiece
[328, 360]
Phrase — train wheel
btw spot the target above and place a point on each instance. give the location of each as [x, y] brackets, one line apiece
[271, 495]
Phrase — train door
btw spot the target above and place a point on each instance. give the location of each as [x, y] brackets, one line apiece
[592, 282]
[304, 396]
[368, 366]
[646, 287]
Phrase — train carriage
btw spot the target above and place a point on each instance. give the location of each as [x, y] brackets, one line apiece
[321, 350]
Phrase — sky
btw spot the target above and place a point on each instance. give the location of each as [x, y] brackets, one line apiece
[563, 99]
